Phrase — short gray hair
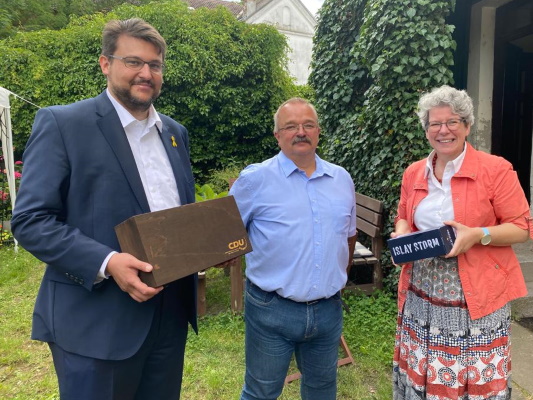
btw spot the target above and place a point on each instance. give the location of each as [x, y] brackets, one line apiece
[458, 100]
[292, 100]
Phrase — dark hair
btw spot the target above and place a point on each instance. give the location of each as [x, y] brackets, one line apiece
[134, 27]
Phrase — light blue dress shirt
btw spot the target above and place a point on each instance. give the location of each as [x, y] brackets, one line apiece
[298, 226]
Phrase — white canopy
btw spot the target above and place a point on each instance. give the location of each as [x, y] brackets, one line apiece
[7, 143]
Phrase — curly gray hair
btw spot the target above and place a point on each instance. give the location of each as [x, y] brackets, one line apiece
[458, 100]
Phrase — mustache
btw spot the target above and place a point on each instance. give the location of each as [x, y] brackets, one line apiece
[143, 81]
[300, 139]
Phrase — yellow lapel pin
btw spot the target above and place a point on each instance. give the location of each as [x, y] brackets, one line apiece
[174, 144]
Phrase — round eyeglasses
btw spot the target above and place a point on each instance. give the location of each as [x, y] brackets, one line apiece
[451, 124]
[137, 64]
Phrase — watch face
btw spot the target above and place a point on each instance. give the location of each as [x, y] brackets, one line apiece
[485, 240]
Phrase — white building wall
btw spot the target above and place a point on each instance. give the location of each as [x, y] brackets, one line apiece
[294, 21]
[301, 49]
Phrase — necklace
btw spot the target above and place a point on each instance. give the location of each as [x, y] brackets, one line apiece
[434, 165]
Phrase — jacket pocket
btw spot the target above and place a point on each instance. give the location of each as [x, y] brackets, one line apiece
[496, 277]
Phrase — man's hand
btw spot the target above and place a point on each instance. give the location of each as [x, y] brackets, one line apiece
[352, 240]
[124, 268]
[228, 263]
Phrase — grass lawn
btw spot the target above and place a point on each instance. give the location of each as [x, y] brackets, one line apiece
[214, 360]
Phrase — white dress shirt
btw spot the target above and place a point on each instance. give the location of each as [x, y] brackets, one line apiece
[152, 162]
[437, 206]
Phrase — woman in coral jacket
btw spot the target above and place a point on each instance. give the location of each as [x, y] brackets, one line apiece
[453, 333]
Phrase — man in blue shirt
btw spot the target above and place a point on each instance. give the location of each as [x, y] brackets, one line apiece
[299, 211]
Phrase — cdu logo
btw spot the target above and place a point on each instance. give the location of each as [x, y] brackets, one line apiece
[237, 245]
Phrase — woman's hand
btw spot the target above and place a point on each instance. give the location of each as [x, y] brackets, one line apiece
[401, 228]
[505, 234]
[465, 238]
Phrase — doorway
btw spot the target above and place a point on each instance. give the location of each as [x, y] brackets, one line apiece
[512, 119]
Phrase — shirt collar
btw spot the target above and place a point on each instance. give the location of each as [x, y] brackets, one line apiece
[456, 164]
[126, 118]
[288, 166]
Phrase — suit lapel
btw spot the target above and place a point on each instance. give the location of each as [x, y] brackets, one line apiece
[174, 147]
[111, 128]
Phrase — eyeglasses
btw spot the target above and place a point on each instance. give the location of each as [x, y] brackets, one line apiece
[137, 64]
[452, 124]
[293, 128]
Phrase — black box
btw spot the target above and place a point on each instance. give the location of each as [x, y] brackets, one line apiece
[422, 244]
[183, 240]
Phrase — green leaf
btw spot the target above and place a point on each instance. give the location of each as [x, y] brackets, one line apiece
[398, 69]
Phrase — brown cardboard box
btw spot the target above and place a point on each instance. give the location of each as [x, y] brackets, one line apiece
[183, 240]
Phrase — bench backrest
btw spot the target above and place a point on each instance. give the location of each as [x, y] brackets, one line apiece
[370, 220]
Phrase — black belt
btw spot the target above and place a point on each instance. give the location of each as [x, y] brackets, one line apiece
[309, 302]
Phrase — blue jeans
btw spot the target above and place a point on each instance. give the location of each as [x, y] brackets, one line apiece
[275, 329]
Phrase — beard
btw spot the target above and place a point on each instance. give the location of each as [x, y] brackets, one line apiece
[131, 102]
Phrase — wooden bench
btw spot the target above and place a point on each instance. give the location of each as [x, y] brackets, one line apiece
[365, 272]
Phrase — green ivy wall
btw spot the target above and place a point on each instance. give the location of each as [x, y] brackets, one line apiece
[372, 60]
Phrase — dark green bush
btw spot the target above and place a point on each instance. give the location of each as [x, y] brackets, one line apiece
[224, 80]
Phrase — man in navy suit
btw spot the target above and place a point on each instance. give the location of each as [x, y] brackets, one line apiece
[87, 167]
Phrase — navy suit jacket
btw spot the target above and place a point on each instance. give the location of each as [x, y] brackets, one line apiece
[79, 181]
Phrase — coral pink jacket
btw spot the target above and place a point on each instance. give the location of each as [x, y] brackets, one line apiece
[485, 192]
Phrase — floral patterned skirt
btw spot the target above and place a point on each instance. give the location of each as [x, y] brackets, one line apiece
[440, 352]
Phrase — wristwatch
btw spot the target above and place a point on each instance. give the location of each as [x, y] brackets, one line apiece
[486, 238]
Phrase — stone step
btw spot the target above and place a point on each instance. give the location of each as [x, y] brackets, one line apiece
[523, 307]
